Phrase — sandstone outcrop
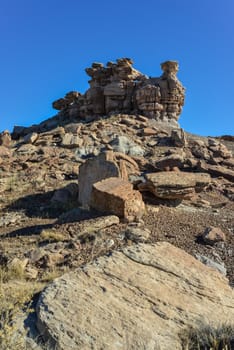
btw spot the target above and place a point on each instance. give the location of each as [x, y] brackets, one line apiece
[120, 88]
[5, 138]
[139, 298]
[174, 185]
[116, 196]
[217, 170]
[107, 164]
[124, 127]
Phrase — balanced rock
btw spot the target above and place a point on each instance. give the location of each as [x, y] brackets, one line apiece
[174, 185]
[116, 196]
[138, 298]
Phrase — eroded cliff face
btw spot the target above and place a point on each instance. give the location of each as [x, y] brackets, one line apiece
[120, 88]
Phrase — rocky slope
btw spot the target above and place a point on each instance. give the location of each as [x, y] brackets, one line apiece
[81, 186]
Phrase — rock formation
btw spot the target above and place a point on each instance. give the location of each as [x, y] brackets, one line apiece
[116, 196]
[120, 88]
[175, 185]
[139, 298]
[106, 165]
[60, 179]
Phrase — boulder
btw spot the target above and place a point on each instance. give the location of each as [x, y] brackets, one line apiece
[137, 234]
[213, 235]
[174, 185]
[27, 149]
[137, 298]
[178, 138]
[217, 170]
[149, 132]
[107, 164]
[124, 145]
[71, 141]
[31, 138]
[116, 196]
[170, 162]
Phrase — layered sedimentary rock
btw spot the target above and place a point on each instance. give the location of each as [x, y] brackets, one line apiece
[107, 164]
[116, 196]
[174, 185]
[137, 298]
[120, 88]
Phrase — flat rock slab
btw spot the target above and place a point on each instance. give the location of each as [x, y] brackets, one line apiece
[138, 298]
[175, 185]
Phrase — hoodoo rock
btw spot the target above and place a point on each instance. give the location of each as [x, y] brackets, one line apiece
[71, 201]
[120, 88]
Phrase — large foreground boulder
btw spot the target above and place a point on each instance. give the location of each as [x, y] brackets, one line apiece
[175, 185]
[116, 196]
[138, 298]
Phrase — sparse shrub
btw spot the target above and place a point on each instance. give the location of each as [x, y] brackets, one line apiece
[50, 275]
[52, 236]
[15, 272]
[15, 296]
[208, 337]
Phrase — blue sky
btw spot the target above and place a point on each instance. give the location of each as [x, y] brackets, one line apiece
[47, 44]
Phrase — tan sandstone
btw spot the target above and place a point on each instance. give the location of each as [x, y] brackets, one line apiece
[138, 298]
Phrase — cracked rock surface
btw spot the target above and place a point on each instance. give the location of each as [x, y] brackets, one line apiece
[137, 298]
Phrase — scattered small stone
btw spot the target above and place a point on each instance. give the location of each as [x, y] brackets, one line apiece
[31, 273]
[137, 234]
[213, 235]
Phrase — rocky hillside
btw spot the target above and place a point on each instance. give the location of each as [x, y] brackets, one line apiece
[114, 190]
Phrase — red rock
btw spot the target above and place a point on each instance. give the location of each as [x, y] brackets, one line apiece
[149, 132]
[116, 196]
[108, 164]
[213, 235]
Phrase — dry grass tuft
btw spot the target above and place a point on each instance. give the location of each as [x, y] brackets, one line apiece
[208, 337]
[52, 236]
[15, 296]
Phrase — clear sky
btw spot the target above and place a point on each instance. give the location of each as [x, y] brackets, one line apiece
[46, 45]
